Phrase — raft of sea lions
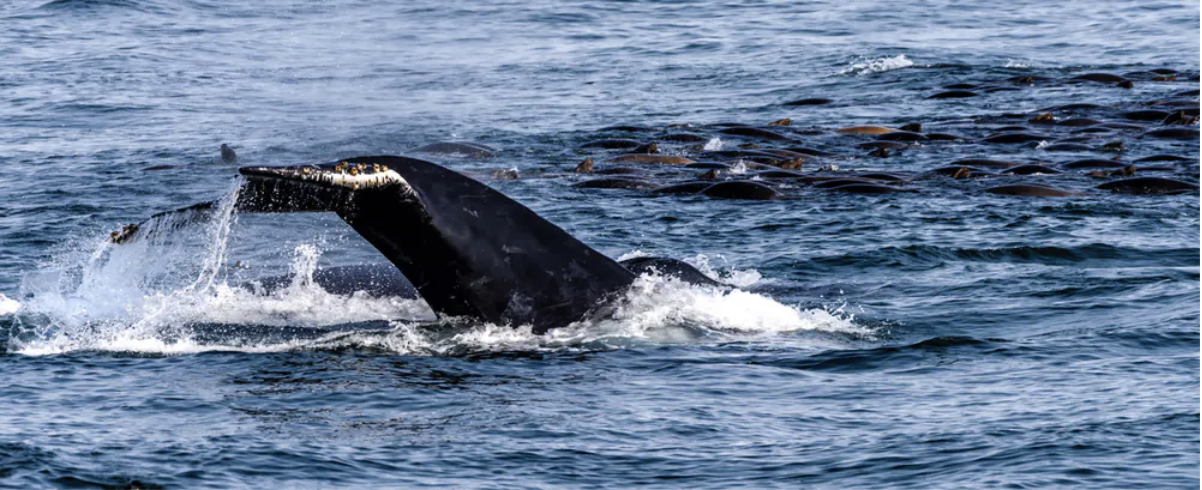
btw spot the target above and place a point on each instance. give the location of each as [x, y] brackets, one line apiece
[1143, 147]
[1011, 154]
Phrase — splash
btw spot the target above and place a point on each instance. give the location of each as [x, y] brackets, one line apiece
[8, 306]
[714, 144]
[173, 292]
[655, 311]
[868, 66]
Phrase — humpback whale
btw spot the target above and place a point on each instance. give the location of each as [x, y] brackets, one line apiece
[465, 248]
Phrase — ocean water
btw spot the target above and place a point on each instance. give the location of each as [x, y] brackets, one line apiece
[947, 338]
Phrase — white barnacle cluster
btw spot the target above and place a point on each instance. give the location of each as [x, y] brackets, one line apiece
[357, 175]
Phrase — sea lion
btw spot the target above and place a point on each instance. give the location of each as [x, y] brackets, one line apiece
[809, 101]
[1164, 158]
[1180, 118]
[584, 167]
[1044, 118]
[779, 174]
[645, 158]
[506, 174]
[619, 171]
[945, 137]
[1148, 185]
[1010, 138]
[808, 151]
[1031, 169]
[954, 94]
[903, 136]
[1099, 77]
[684, 138]
[1093, 163]
[1067, 147]
[228, 155]
[870, 130]
[832, 183]
[649, 148]
[1077, 107]
[983, 162]
[1030, 190]
[613, 144]
[1177, 133]
[1146, 115]
[883, 177]
[741, 189]
[1078, 122]
[960, 172]
[616, 183]
[751, 132]
[893, 145]
[154, 168]
[866, 188]
[683, 188]
[707, 166]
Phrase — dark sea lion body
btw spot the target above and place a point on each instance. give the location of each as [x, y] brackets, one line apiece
[866, 188]
[1174, 133]
[961, 172]
[903, 136]
[1093, 163]
[612, 144]
[684, 138]
[983, 162]
[616, 183]
[831, 184]
[647, 158]
[707, 166]
[954, 94]
[758, 133]
[1164, 158]
[1016, 137]
[693, 187]
[1067, 147]
[1100, 77]
[1031, 170]
[228, 155]
[1149, 185]
[1030, 190]
[809, 101]
[741, 189]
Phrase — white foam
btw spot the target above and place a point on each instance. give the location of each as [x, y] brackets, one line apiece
[867, 66]
[714, 144]
[153, 296]
[8, 306]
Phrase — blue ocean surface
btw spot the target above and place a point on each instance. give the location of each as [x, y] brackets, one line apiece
[942, 338]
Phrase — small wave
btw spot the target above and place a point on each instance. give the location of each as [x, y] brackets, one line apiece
[91, 4]
[1093, 254]
[868, 66]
